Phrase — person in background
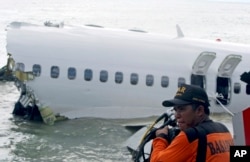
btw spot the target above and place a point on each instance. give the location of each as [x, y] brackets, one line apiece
[200, 139]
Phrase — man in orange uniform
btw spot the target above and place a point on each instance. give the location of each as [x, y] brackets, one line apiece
[200, 138]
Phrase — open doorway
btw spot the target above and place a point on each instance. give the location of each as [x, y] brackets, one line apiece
[198, 80]
[223, 90]
[200, 68]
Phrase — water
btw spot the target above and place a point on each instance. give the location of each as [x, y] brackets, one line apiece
[90, 139]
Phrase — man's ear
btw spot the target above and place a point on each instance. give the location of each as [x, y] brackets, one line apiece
[200, 110]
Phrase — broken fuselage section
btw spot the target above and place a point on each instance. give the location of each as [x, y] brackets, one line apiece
[28, 104]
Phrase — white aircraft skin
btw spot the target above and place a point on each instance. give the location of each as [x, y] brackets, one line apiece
[121, 51]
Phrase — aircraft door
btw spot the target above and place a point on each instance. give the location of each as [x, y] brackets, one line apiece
[200, 67]
[223, 81]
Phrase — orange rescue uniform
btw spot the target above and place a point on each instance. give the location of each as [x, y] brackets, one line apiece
[182, 149]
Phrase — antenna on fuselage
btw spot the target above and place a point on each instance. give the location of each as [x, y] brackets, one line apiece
[179, 32]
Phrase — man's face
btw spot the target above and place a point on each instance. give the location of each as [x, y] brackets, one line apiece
[186, 116]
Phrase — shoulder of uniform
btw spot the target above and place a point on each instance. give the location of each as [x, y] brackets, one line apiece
[191, 134]
[207, 127]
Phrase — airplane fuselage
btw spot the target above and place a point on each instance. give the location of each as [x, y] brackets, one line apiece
[98, 72]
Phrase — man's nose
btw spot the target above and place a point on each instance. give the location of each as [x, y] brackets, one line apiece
[177, 115]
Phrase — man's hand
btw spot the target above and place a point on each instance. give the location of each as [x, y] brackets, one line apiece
[162, 131]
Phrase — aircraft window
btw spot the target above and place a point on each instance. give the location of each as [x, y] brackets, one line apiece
[248, 89]
[71, 73]
[134, 78]
[181, 81]
[237, 88]
[20, 66]
[118, 77]
[103, 76]
[164, 81]
[223, 90]
[149, 80]
[36, 69]
[198, 80]
[88, 74]
[54, 73]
